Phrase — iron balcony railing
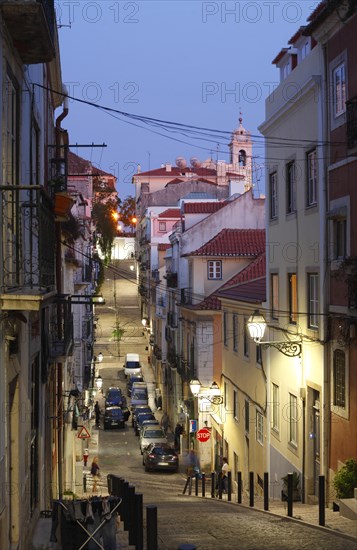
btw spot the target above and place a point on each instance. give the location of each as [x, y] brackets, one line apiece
[27, 242]
[61, 332]
[171, 280]
[186, 296]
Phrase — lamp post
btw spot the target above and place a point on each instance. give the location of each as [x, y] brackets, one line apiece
[256, 326]
[213, 396]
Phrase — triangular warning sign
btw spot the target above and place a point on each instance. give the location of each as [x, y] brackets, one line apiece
[83, 433]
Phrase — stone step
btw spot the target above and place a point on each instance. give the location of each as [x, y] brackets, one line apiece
[348, 508]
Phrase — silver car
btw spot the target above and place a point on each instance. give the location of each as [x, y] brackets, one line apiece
[151, 434]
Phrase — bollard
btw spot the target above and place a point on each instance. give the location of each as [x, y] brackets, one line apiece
[322, 500]
[139, 521]
[220, 486]
[239, 484]
[229, 486]
[203, 484]
[266, 491]
[196, 485]
[84, 483]
[290, 495]
[131, 514]
[125, 507]
[251, 488]
[151, 527]
[186, 485]
[213, 484]
[190, 486]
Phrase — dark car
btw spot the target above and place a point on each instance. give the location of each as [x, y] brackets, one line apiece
[137, 410]
[133, 378]
[160, 456]
[114, 418]
[140, 419]
[114, 397]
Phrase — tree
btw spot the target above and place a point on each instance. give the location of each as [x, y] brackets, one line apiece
[127, 211]
[106, 226]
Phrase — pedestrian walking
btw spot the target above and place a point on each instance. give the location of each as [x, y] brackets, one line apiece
[178, 433]
[97, 414]
[95, 471]
[225, 470]
[165, 421]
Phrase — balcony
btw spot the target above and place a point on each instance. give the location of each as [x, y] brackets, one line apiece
[61, 333]
[27, 251]
[31, 24]
[83, 275]
[172, 320]
[352, 123]
[155, 275]
[171, 280]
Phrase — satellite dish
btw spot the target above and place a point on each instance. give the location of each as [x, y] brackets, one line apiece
[180, 162]
[195, 162]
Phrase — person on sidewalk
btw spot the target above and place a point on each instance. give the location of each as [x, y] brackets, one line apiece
[178, 433]
[97, 414]
[225, 470]
[165, 422]
[95, 471]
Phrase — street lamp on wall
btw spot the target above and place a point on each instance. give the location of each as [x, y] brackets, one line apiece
[213, 396]
[256, 326]
[99, 382]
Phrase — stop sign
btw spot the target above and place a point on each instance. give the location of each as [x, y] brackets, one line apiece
[203, 435]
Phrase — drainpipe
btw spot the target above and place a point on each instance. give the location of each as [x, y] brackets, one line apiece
[65, 107]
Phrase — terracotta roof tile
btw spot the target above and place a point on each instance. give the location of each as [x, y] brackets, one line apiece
[279, 56]
[171, 213]
[233, 242]
[252, 291]
[163, 246]
[202, 207]
[79, 165]
[255, 270]
[176, 180]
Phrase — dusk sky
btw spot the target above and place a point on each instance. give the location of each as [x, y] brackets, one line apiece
[192, 62]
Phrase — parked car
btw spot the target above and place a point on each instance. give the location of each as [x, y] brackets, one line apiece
[160, 456]
[114, 397]
[133, 378]
[140, 419]
[152, 434]
[137, 410]
[132, 364]
[139, 396]
[151, 422]
[114, 418]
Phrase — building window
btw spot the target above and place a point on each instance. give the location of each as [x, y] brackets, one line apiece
[292, 298]
[246, 339]
[246, 416]
[225, 328]
[313, 305]
[162, 226]
[305, 50]
[259, 427]
[339, 238]
[311, 178]
[214, 269]
[290, 188]
[242, 158]
[235, 405]
[274, 295]
[273, 194]
[339, 378]
[235, 332]
[339, 89]
[292, 419]
[275, 407]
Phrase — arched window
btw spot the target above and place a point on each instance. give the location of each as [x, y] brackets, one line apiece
[242, 158]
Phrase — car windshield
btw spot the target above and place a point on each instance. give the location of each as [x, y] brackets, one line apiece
[143, 417]
[132, 364]
[139, 394]
[153, 433]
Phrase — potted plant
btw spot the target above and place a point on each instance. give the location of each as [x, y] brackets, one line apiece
[345, 479]
[296, 487]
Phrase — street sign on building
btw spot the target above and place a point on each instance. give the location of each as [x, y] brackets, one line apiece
[83, 433]
[193, 426]
[203, 435]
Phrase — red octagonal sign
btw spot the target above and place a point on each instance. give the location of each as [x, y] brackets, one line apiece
[203, 435]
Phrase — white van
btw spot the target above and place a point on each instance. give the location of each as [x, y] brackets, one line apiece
[132, 364]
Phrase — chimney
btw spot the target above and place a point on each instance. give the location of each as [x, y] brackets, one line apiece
[168, 167]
